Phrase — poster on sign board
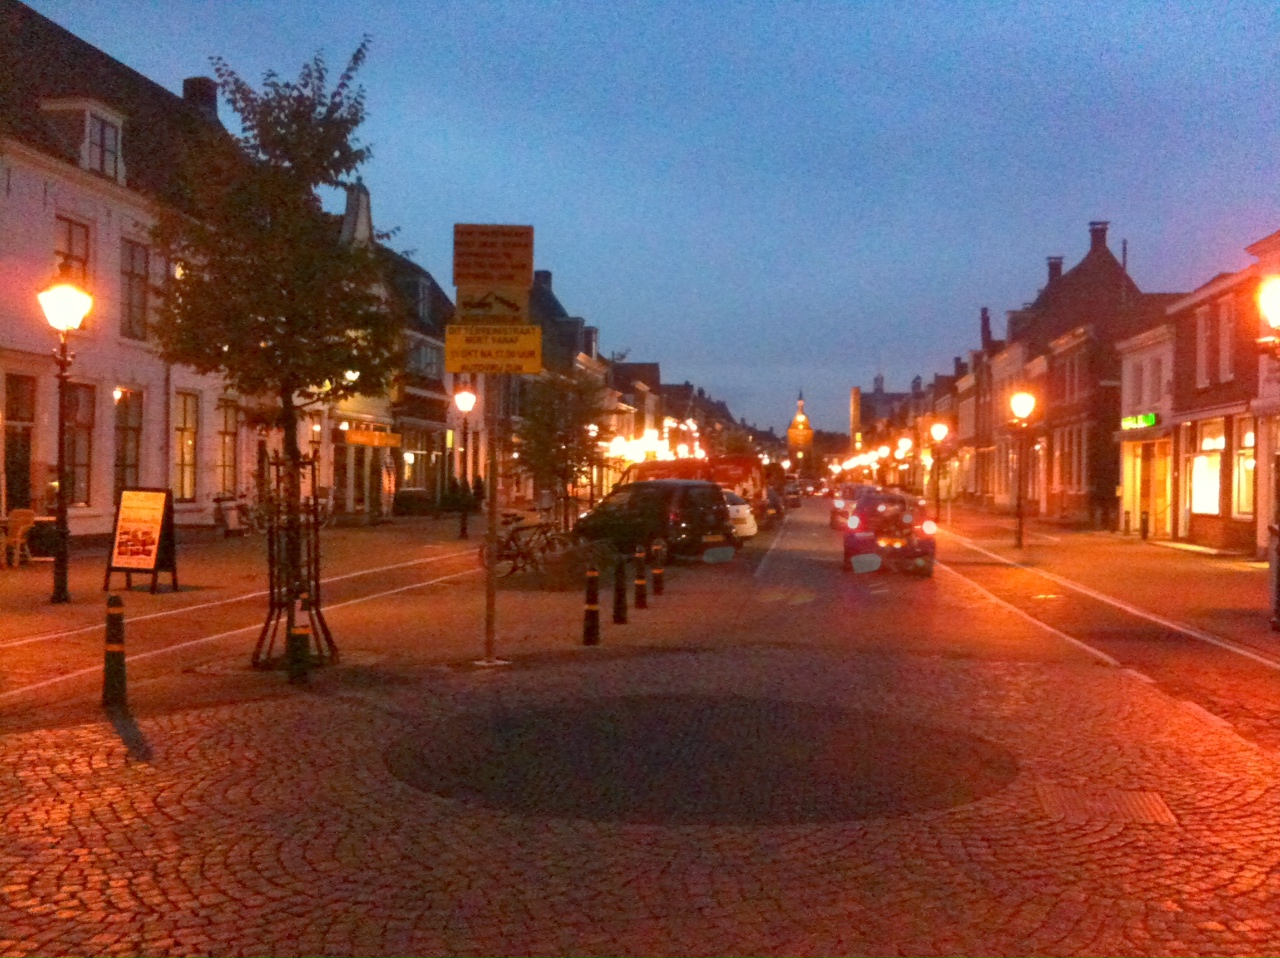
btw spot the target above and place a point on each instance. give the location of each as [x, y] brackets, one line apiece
[144, 536]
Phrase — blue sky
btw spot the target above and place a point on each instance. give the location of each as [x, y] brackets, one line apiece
[768, 196]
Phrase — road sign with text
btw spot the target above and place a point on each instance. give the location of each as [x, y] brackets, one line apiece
[505, 348]
[491, 305]
[492, 257]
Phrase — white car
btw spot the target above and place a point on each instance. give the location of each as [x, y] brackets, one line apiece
[744, 522]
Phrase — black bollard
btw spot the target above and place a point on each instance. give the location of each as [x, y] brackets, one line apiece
[462, 528]
[591, 611]
[620, 589]
[113, 676]
[659, 577]
[642, 580]
[297, 647]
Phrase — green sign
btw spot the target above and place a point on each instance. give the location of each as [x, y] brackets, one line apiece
[1139, 421]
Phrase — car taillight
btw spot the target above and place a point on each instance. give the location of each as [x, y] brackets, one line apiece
[929, 527]
[853, 522]
[839, 503]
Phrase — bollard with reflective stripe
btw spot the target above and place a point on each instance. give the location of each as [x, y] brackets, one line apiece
[113, 675]
[642, 580]
[659, 577]
[591, 610]
[620, 589]
[297, 647]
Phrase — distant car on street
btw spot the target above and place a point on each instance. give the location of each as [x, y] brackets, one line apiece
[791, 495]
[744, 522]
[893, 532]
[846, 498]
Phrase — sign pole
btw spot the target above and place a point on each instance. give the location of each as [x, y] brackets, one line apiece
[492, 386]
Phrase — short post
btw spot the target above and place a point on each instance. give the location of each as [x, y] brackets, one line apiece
[113, 674]
[620, 589]
[297, 649]
[642, 580]
[659, 577]
[591, 609]
[462, 527]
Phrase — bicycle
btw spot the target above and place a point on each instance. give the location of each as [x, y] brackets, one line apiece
[524, 546]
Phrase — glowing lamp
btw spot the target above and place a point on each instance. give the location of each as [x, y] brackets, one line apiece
[1269, 302]
[465, 400]
[1022, 404]
[938, 431]
[64, 303]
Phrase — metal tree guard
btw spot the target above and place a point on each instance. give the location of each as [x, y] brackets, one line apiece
[280, 609]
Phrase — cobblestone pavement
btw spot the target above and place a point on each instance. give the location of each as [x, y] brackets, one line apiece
[788, 770]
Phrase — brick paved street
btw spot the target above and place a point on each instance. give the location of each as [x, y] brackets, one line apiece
[775, 758]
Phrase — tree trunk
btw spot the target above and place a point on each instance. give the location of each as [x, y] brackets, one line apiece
[291, 568]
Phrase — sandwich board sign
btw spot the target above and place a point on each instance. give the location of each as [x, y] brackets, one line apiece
[144, 537]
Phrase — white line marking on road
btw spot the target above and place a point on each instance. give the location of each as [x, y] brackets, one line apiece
[1170, 624]
[1204, 714]
[774, 544]
[221, 635]
[1031, 618]
[1140, 676]
[27, 640]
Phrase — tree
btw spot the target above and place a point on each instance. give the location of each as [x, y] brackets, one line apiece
[263, 290]
[557, 444]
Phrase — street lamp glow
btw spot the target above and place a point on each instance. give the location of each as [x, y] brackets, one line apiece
[883, 452]
[1269, 301]
[1022, 404]
[786, 463]
[351, 375]
[64, 303]
[465, 400]
[938, 431]
[835, 468]
[904, 443]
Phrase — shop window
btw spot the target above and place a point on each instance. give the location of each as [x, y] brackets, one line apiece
[186, 435]
[79, 442]
[128, 428]
[1242, 486]
[1206, 468]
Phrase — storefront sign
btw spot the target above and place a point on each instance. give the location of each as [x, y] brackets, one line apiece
[493, 349]
[1141, 421]
[367, 437]
[144, 540]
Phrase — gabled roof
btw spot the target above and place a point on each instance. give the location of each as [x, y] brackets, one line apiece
[419, 294]
[41, 61]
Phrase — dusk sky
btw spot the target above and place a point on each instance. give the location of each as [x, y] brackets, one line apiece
[764, 196]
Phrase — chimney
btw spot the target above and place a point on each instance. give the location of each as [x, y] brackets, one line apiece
[878, 383]
[542, 277]
[202, 93]
[1098, 234]
[986, 328]
[1055, 264]
[917, 385]
[960, 367]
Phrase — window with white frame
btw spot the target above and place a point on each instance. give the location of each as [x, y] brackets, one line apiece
[1156, 380]
[1242, 486]
[228, 448]
[1206, 468]
[1226, 339]
[1137, 391]
[71, 246]
[78, 445]
[1203, 331]
[186, 435]
[134, 284]
[104, 146]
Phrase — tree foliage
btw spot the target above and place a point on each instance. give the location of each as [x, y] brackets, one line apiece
[264, 291]
[554, 432]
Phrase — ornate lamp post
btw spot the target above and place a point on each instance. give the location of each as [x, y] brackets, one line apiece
[1269, 345]
[938, 431]
[465, 400]
[1021, 404]
[65, 306]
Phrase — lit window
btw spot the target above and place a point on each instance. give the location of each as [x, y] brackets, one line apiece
[186, 435]
[1242, 487]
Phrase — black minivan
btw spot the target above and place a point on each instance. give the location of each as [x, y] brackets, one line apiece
[683, 516]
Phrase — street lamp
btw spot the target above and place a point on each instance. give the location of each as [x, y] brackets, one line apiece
[1021, 404]
[465, 400]
[65, 306]
[939, 432]
[1269, 307]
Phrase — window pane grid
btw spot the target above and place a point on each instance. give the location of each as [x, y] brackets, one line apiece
[134, 276]
[186, 435]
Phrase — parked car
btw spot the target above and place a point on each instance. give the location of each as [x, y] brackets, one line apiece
[744, 523]
[846, 497]
[682, 516]
[893, 532]
[791, 495]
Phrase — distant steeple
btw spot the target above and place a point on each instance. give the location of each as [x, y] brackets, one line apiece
[800, 433]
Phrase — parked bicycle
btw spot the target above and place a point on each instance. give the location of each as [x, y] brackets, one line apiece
[524, 545]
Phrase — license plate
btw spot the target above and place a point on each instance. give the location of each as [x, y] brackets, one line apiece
[713, 538]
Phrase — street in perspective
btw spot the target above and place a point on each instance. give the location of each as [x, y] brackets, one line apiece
[363, 591]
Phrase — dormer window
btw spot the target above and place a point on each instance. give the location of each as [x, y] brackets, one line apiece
[104, 146]
[90, 132]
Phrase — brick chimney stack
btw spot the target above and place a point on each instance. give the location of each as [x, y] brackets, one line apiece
[986, 328]
[202, 93]
[1098, 234]
[1055, 267]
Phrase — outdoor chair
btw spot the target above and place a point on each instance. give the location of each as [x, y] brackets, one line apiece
[19, 526]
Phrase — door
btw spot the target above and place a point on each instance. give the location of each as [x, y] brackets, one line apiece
[1161, 490]
[19, 423]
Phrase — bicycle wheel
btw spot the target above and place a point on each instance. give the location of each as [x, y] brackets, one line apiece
[508, 561]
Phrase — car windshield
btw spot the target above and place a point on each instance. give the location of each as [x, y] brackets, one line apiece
[734, 499]
[887, 506]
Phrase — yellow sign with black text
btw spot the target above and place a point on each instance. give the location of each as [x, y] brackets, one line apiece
[493, 349]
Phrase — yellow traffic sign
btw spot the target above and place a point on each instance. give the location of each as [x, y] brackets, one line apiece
[492, 305]
[493, 349]
[492, 256]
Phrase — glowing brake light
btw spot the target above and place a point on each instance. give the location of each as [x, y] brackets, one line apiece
[854, 522]
[839, 503]
[929, 527]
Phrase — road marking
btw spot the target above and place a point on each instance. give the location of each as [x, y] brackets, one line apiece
[221, 635]
[1204, 714]
[1140, 676]
[1031, 618]
[774, 544]
[1169, 624]
[27, 640]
